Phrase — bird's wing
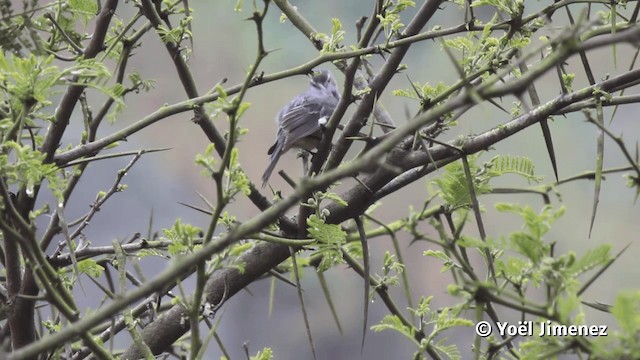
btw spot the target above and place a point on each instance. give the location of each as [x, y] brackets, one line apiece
[300, 119]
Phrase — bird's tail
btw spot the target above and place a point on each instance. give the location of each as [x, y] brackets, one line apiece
[273, 160]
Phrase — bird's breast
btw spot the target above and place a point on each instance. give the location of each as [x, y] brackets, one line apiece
[309, 142]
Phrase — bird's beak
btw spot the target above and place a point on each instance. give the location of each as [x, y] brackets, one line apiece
[311, 80]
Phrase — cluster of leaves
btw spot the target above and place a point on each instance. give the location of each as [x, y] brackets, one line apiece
[332, 43]
[28, 84]
[13, 37]
[487, 51]
[524, 263]
[390, 17]
[33, 71]
[438, 321]
[452, 185]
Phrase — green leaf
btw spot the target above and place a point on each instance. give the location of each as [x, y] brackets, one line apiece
[242, 108]
[325, 233]
[423, 308]
[264, 354]
[240, 182]
[332, 43]
[566, 305]
[238, 249]
[505, 164]
[529, 246]
[87, 7]
[149, 252]
[536, 224]
[182, 236]
[24, 166]
[447, 320]
[567, 80]
[591, 259]
[333, 197]
[472, 242]
[90, 267]
[392, 322]
[453, 183]
[448, 262]
[622, 344]
[330, 239]
[207, 161]
[626, 310]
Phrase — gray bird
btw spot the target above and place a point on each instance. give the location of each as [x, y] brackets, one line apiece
[301, 121]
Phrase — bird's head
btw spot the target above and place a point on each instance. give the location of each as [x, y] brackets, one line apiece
[324, 81]
[321, 78]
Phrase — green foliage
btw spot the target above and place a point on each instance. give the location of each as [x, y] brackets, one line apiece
[592, 259]
[25, 167]
[264, 354]
[176, 34]
[84, 7]
[116, 32]
[330, 196]
[425, 91]
[622, 343]
[626, 310]
[538, 225]
[330, 240]
[391, 270]
[436, 321]
[90, 267]
[393, 322]
[229, 258]
[528, 258]
[453, 184]
[448, 262]
[143, 253]
[633, 182]
[510, 7]
[240, 249]
[238, 180]
[138, 83]
[27, 82]
[118, 91]
[332, 43]
[567, 81]
[516, 110]
[227, 220]
[183, 237]
[390, 18]
[481, 51]
[504, 164]
[207, 161]
[315, 202]
[15, 27]
[539, 265]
